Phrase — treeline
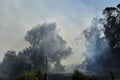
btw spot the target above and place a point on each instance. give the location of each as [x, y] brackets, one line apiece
[41, 75]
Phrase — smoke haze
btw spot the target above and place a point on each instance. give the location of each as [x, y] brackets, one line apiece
[46, 48]
[19, 16]
[71, 18]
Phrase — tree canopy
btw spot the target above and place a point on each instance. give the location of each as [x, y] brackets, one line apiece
[112, 27]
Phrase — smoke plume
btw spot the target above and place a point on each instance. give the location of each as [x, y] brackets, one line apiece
[46, 48]
[98, 49]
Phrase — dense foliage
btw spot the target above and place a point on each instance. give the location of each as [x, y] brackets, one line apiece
[112, 27]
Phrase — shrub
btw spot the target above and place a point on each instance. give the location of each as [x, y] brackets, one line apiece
[81, 76]
[32, 75]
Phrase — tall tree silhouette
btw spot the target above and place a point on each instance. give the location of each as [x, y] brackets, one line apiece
[112, 27]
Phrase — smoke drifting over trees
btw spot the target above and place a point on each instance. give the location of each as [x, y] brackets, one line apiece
[46, 48]
[104, 52]
[98, 49]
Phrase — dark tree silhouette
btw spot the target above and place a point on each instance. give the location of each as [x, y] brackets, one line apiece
[112, 27]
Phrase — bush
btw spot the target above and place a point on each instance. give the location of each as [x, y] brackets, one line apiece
[41, 75]
[32, 75]
[81, 76]
[27, 75]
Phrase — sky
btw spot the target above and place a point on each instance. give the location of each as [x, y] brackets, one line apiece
[71, 17]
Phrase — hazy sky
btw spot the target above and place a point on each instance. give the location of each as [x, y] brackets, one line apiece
[71, 16]
[101, 4]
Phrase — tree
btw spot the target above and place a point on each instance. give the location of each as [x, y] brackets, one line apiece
[105, 50]
[46, 43]
[112, 27]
